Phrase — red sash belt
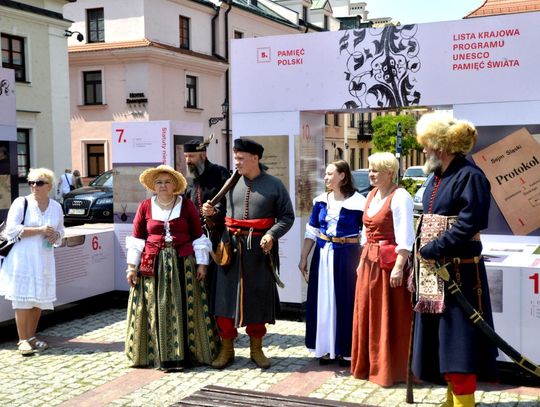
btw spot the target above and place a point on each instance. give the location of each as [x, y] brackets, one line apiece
[257, 227]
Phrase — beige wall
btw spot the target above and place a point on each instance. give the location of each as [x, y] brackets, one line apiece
[43, 102]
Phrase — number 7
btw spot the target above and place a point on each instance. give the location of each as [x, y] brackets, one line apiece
[120, 135]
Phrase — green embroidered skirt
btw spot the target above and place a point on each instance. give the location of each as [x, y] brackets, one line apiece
[168, 321]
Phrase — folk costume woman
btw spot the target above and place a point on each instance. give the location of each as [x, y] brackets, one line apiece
[382, 309]
[333, 228]
[28, 274]
[168, 322]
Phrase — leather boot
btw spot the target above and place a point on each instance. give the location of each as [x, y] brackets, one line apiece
[256, 353]
[464, 400]
[449, 397]
[226, 354]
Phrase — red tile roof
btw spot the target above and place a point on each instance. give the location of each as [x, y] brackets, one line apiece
[495, 7]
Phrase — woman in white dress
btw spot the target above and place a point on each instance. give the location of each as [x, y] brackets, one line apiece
[28, 273]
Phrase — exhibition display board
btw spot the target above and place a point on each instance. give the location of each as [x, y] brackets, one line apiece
[83, 266]
[8, 141]
[479, 60]
[513, 271]
[137, 146]
[8, 120]
[474, 67]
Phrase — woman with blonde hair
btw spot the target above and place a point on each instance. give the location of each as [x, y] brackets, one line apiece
[382, 308]
[168, 323]
[28, 274]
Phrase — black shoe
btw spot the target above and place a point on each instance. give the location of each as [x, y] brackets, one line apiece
[325, 360]
[344, 362]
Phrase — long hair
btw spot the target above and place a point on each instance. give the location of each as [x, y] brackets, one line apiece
[347, 185]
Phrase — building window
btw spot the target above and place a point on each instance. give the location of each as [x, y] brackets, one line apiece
[353, 158]
[13, 56]
[95, 25]
[305, 14]
[23, 153]
[362, 158]
[191, 91]
[238, 35]
[336, 119]
[95, 159]
[326, 23]
[184, 32]
[326, 119]
[93, 92]
[352, 117]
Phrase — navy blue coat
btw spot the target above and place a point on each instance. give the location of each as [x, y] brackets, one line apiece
[449, 342]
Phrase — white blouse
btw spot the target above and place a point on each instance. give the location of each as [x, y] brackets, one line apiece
[135, 246]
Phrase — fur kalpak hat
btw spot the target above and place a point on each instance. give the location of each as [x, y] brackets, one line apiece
[148, 176]
[441, 132]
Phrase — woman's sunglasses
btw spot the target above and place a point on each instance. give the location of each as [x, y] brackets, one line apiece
[37, 183]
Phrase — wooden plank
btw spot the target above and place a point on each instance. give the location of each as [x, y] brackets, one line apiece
[217, 396]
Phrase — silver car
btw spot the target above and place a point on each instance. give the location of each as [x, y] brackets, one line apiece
[361, 181]
[418, 207]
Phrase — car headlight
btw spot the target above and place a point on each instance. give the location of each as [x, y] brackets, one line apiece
[417, 199]
[104, 201]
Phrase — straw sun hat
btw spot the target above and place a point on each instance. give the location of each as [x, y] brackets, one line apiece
[149, 175]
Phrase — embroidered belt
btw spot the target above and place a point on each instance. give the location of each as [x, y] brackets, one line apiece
[459, 260]
[342, 240]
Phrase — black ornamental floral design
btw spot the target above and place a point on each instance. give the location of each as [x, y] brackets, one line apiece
[4, 87]
[380, 72]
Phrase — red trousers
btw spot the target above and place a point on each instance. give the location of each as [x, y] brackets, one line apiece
[462, 383]
[227, 329]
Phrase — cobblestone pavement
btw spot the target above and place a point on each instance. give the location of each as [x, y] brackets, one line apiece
[86, 366]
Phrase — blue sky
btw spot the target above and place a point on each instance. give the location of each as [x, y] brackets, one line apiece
[421, 11]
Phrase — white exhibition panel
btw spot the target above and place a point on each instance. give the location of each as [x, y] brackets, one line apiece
[84, 266]
[137, 146]
[501, 113]
[513, 270]
[265, 126]
[479, 60]
[8, 119]
[121, 231]
[141, 142]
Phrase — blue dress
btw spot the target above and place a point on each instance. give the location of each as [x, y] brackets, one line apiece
[332, 275]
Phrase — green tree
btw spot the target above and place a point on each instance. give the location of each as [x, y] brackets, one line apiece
[385, 131]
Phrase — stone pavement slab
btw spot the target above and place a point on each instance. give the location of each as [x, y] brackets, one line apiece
[86, 366]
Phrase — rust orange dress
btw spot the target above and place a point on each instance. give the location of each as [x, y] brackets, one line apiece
[382, 315]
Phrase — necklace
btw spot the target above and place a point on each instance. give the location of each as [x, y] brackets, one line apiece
[165, 203]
